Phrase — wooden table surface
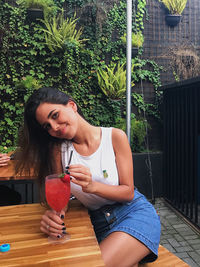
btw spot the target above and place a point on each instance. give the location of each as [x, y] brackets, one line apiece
[165, 259]
[19, 226]
[8, 173]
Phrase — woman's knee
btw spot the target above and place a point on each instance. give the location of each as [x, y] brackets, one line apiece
[122, 250]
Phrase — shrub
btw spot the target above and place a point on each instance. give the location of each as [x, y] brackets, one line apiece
[138, 132]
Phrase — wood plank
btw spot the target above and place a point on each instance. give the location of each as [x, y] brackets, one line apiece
[20, 227]
[8, 173]
[165, 259]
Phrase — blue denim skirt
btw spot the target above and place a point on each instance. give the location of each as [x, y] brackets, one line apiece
[137, 218]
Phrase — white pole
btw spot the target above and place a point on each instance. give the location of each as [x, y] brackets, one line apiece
[128, 68]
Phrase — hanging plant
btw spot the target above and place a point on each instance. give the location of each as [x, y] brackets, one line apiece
[137, 42]
[175, 9]
[137, 39]
[39, 8]
[59, 32]
[112, 80]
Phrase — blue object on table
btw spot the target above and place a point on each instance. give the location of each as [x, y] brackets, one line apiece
[5, 247]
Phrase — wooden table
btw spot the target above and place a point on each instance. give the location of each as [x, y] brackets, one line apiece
[8, 172]
[166, 259]
[28, 188]
[19, 226]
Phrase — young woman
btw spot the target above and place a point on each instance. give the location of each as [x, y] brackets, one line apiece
[126, 224]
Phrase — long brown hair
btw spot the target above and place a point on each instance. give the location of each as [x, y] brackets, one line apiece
[36, 147]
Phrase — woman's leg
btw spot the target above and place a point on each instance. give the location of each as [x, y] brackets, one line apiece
[122, 250]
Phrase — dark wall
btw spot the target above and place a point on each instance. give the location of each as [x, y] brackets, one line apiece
[160, 39]
[148, 176]
[176, 49]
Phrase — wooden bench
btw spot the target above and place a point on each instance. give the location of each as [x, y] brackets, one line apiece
[165, 258]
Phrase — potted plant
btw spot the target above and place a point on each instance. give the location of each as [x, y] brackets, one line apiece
[60, 32]
[137, 42]
[175, 9]
[112, 80]
[39, 9]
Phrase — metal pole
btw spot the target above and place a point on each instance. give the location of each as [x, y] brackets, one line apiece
[128, 68]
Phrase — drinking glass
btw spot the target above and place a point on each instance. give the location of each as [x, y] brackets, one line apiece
[57, 190]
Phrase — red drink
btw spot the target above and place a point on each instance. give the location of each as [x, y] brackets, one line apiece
[57, 192]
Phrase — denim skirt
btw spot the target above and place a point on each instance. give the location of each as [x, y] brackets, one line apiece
[137, 218]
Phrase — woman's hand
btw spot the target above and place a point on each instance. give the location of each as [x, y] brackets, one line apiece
[52, 224]
[4, 158]
[82, 176]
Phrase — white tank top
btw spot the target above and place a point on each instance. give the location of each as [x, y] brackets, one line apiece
[102, 166]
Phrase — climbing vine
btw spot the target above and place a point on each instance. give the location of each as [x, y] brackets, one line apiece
[140, 13]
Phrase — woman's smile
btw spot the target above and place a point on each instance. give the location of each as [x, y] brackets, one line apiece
[58, 120]
[61, 132]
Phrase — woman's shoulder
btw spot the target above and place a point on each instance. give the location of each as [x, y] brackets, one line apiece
[118, 134]
[120, 142]
[115, 133]
[119, 138]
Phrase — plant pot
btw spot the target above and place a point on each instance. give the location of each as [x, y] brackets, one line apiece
[135, 51]
[35, 13]
[172, 20]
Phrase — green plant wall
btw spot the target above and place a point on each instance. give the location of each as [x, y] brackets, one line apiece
[26, 62]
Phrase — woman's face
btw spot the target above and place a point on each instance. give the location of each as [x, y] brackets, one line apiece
[58, 120]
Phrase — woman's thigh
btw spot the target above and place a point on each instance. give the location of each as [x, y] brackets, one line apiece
[120, 249]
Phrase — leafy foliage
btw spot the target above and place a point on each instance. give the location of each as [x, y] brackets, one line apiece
[48, 6]
[137, 39]
[141, 11]
[27, 85]
[175, 6]
[112, 81]
[138, 131]
[59, 31]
